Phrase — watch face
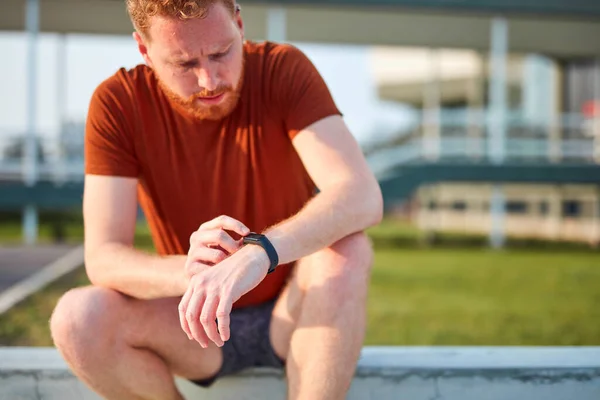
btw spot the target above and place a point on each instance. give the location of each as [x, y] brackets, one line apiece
[252, 238]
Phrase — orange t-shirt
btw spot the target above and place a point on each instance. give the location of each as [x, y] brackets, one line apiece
[191, 171]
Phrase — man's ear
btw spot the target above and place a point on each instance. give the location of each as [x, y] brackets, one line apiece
[143, 48]
[238, 19]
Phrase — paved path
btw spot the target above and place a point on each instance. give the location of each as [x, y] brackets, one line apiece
[18, 263]
[25, 270]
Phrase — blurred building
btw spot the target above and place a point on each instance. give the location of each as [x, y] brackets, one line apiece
[555, 212]
[552, 110]
[505, 95]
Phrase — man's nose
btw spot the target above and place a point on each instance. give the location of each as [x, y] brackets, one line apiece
[207, 78]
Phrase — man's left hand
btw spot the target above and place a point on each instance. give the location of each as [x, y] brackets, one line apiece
[211, 294]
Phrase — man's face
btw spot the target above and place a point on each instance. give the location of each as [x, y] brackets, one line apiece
[199, 62]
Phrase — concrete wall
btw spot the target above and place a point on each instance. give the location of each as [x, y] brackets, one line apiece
[415, 373]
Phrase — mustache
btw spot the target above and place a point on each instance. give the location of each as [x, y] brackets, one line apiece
[210, 93]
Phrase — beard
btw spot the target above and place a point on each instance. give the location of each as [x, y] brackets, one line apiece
[193, 106]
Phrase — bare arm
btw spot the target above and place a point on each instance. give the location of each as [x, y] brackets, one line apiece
[109, 210]
[349, 199]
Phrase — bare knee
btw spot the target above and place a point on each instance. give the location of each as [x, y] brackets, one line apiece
[84, 320]
[343, 269]
[356, 249]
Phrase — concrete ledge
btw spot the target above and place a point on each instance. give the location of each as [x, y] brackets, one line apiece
[415, 373]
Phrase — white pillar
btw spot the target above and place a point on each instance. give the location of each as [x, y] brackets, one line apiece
[30, 173]
[426, 215]
[497, 236]
[555, 212]
[498, 95]
[497, 122]
[276, 24]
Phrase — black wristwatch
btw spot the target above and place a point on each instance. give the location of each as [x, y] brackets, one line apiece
[262, 241]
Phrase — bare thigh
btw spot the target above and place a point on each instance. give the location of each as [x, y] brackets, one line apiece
[154, 324]
[116, 322]
[287, 311]
[333, 270]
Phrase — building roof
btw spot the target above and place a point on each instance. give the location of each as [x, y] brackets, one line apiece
[564, 28]
[562, 8]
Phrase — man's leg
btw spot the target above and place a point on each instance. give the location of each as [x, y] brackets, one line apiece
[319, 321]
[124, 348]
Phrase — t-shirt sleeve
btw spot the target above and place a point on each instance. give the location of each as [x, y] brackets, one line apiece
[108, 145]
[300, 92]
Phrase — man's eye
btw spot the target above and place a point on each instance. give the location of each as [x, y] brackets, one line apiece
[217, 56]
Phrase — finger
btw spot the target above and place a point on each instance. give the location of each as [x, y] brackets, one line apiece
[208, 318]
[215, 238]
[183, 305]
[222, 240]
[193, 318]
[201, 259]
[192, 268]
[223, 317]
[206, 255]
[225, 222]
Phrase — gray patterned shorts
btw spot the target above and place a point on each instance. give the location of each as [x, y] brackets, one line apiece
[249, 344]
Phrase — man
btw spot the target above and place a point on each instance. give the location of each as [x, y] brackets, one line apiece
[217, 137]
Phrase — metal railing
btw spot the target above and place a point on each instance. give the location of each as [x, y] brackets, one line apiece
[456, 136]
[53, 162]
[463, 136]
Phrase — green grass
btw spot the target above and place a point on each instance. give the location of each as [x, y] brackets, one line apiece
[480, 297]
[68, 225]
[26, 324]
[546, 294]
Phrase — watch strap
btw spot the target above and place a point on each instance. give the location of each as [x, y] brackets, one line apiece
[262, 241]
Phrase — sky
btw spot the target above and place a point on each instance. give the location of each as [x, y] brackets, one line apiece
[89, 59]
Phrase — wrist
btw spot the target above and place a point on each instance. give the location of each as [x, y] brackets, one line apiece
[262, 241]
[184, 283]
[257, 256]
[276, 243]
[183, 280]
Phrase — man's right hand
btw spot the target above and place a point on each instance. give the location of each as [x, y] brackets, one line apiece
[211, 244]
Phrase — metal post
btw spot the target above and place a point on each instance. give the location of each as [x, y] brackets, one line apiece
[497, 237]
[498, 106]
[276, 24]
[555, 212]
[497, 122]
[30, 217]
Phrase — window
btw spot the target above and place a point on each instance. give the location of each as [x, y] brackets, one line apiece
[544, 207]
[458, 205]
[571, 208]
[516, 207]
